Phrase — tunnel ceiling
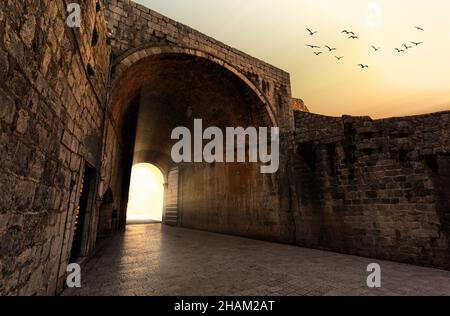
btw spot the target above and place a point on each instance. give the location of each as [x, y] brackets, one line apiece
[174, 89]
[184, 77]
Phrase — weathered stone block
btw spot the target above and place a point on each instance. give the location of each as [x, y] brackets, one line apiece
[7, 108]
[22, 121]
[4, 64]
[28, 30]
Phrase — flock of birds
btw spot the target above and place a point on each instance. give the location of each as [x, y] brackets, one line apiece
[353, 36]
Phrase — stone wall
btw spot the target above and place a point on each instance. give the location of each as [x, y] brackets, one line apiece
[377, 188]
[299, 105]
[51, 119]
[235, 199]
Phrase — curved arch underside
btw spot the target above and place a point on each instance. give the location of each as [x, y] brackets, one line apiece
[171, 90]
[129, 66]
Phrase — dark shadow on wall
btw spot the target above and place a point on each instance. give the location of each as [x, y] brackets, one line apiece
[106, 221]
[128, 139]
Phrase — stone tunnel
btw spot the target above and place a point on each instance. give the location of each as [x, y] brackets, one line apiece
[80, 106]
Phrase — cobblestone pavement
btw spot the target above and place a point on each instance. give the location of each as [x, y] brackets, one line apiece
[158, 260]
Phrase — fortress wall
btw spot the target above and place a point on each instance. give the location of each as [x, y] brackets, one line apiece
[376, 188]
[51, 122]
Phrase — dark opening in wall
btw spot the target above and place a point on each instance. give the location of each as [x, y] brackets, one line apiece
[403, 134]
[441, 168]
[84, 205]
[349, 144]
[90, 71]
[331, 153]
[308, 152]
[403, 155]
[368, 151]
[367, 135]
[431, 162]
[95, 37]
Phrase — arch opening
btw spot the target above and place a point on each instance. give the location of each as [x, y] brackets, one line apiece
[157, 94]
[146, 194]
[178, 78]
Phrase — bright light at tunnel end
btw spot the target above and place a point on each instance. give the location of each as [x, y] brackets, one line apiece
[235, 145]
[146, 194]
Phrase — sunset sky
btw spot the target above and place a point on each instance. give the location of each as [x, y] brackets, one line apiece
[417, 81]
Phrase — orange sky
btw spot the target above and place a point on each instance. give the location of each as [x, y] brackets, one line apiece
[414, 82]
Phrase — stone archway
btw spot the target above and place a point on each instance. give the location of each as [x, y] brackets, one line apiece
[166, 87]
[129, 59]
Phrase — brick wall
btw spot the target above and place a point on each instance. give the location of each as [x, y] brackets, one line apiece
[376, 188]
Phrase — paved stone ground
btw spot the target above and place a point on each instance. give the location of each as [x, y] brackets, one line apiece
[154, 259]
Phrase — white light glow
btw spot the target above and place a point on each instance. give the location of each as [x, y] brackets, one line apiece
[146, 195]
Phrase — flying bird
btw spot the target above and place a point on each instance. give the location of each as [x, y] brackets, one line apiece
[330, 49]
[363, 66]
[317, 53]
[338, 58]
[348, 32]
[399, 50]
[353, 37]
[417, 43]
[376, 48]
[313, 46]
[311, 32]
[419, 28]
[406, 46]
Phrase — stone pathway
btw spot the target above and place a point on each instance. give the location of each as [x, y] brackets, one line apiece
[154, 259]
